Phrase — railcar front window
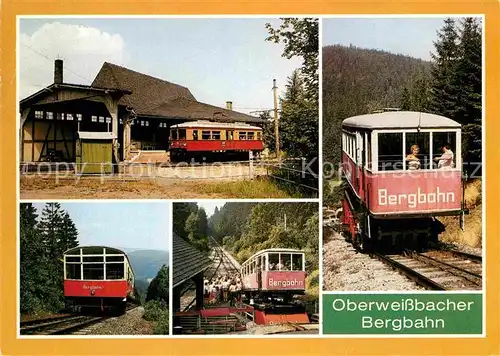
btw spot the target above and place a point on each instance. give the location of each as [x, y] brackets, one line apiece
[173, 134]
[93, 271]
[390, 151]
[73, 271]
[286, 262]
[444, 150]
[297, 262]
[274, 260]
[417, 151]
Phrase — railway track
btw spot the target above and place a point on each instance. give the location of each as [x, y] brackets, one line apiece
[62, 325]
[438, 269]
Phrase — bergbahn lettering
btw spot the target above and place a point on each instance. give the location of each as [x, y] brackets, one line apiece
[413, 200]
[272, 283]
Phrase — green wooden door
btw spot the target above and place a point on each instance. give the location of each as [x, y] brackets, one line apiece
[97, 156]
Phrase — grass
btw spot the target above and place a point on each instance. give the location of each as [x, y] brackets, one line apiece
[258, 188]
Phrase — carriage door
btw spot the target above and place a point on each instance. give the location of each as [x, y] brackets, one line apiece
[359, 159]
[259, 272]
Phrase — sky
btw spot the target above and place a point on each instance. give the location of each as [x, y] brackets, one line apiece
[409, 36]
[126, 225]
[210, 206]
[219, 60]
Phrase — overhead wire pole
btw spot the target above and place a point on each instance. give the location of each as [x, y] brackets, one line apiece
[276, 124]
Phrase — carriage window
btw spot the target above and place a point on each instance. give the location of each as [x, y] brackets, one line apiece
[274, 259]
[251, 135]
[205, 135]
[263, 267]
[390, 151]
[229, 135]
[215, 135]
[93, 259]
[297, 262]
[115, 271]
[243, 135]
[182, 134]
[115, 258]
[73, 271]
[93, 271]
[286, 262]
[444, 150]
[195, 135]
[259, 136]
[417, 150]
[368, 143]
[173, 134]
[73, 259]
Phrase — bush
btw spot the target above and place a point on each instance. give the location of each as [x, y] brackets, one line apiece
[157, 312]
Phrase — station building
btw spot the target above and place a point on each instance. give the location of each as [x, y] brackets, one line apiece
[122, 111]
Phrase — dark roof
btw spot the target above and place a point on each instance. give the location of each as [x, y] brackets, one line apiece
[157, 97]
[188, 261]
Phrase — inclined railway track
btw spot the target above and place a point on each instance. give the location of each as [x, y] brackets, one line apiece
[438, 269]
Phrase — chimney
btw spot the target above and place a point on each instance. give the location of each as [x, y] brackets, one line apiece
[229, 105]
[58, 71]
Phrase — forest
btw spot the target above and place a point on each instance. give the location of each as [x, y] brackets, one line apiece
[358, 81]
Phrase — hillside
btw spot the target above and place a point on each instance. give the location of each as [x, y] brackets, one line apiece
[146, 263]
[359, 81]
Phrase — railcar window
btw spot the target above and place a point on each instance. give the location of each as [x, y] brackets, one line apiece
[263, 262]
[274, 259]
[369, 151]
[73, 259]
[73, 271]
[417, 150]
[115, 258]
[390, 151]
[242, 135]
[115, 271]
[442, 157]
[173, 134]
[182, 134]
[251, 135]
[93, 259]
[215, 135]
[93, 271]
[205, 135]
[195, 135]
[297, 262]
[230, 135]
[259, 135]
[286, 262]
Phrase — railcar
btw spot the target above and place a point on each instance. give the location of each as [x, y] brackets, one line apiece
[205, 138]
[271, 278]
[401, 170]
[97, 277]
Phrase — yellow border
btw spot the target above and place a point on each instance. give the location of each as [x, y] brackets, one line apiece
[9, 344]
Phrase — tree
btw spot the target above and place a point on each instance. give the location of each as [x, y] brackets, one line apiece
[300, 37]
[181, 212]
[159, 287]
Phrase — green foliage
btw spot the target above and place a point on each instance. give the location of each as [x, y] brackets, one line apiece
[298, 125]
[42, 244]
[159, 287]
[157, 312]
[180, 215]
[190, 222]
[248, 227]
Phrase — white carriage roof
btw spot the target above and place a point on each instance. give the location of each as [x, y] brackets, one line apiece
[94, 250]
[275, 250]
[400, 120]
[210, 124]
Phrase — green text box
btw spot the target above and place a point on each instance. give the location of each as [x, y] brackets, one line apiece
[402, 313]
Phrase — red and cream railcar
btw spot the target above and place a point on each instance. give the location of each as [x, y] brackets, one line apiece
[402, 169]
[97, 277]
[271, 278]
[204, 137]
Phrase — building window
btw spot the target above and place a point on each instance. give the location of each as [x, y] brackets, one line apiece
[69, 117]
[147, 123]
[49, 115]
[120, 121]
[79, 117]
[108, 120]
[94, 118]
[101, 119]
[38, 114]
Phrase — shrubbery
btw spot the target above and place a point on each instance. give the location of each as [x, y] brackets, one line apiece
[157, 312]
